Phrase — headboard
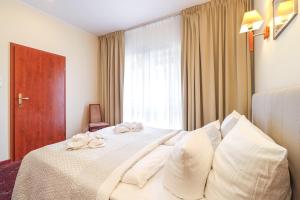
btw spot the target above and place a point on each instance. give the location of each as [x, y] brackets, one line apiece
[277, 113]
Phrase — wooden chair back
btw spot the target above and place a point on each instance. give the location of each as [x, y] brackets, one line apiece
[95, 113]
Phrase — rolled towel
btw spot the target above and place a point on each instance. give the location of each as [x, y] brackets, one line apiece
[121, 128]
[128, 127]
[135, 126]
[85, 140]
[95, 135]
[78, 141]
[96, 143]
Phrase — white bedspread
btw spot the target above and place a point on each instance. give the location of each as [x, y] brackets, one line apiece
[54, 173]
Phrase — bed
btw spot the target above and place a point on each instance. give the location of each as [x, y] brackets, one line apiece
[97, 174]
[54, 173]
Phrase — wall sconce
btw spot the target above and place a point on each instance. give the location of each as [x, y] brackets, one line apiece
[253, 21]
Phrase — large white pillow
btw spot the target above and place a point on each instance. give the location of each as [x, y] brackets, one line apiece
[147, 166]
[229, 122]
[248, 166]
[189, 163]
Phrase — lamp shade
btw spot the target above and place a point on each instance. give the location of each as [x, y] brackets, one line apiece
[251, 21]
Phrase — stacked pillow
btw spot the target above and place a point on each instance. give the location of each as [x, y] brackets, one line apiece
[246, 165]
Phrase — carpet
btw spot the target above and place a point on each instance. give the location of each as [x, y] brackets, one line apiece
[8, 174]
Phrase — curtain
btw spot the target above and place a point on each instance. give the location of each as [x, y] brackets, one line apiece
[152, 85]
[216, 62]
[111, 76]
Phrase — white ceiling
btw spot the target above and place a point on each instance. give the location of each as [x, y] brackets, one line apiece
[104, 16]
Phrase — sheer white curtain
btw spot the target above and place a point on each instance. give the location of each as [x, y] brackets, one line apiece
[152, 82]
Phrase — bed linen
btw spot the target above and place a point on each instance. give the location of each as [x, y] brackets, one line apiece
[54, 173]
[144, 169]
[153, 190]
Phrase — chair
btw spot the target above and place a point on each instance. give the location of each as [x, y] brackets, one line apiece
[95, 118]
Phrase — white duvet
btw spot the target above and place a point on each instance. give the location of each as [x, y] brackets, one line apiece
[54, 173]
[153, 190]
[142, 171]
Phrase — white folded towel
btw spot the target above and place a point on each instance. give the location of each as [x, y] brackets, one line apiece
[96, 143]
[128, 127]
[95, 135]
[85, 140]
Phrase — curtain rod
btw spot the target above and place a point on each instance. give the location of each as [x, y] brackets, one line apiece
[152, 22]
[160, 19]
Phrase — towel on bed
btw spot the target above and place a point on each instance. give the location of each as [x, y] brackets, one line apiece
[85, 140]
[128, 127]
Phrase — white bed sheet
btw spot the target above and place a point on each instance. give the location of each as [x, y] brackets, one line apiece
[153, 190]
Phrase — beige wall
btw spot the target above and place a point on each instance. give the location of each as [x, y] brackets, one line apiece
[277, 62]
[25, 25]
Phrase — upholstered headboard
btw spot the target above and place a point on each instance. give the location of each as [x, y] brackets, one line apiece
[277, 113]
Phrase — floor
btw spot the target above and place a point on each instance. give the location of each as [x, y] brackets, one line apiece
[8, 173]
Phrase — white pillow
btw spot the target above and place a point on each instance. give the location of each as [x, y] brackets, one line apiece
[176, 138]
[147, 166]
[229, 122]
[248, 166]
[189, 163]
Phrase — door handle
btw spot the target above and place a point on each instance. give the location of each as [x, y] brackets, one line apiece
[21, 98]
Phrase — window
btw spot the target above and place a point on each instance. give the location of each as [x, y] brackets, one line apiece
[152, 81]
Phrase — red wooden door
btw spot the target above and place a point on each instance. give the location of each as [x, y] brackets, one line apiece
[37, 99]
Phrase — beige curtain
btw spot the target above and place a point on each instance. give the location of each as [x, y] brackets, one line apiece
[112, 53]
[216, 62]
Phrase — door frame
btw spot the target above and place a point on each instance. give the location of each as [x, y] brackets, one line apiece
[13, 98]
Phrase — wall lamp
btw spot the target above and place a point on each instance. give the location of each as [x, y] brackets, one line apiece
[253, 21]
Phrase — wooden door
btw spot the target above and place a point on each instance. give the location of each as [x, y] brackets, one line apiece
[38, 110]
